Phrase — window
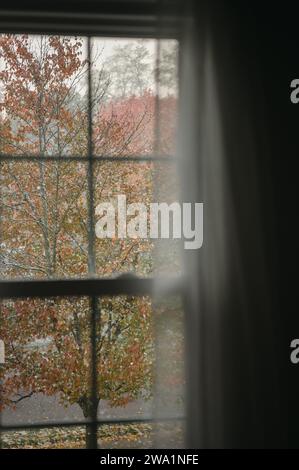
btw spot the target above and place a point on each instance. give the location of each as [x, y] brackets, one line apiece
[84, 121]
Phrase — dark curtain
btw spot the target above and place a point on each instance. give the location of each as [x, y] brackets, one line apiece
[237, 149]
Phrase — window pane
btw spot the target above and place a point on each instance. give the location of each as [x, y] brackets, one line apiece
[120, 184]
[167, 256]
[126, 436]
[126, 199]
[43, 219]
[43, 95]
[130, 110]
[126, 355]
[170, 378]
[167, 96]
[46, 374]
[123, 93]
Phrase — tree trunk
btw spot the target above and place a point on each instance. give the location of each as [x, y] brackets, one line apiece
[91, 436]
[89, 413]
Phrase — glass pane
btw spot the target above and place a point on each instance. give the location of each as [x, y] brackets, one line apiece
[170, 379]
[131, 111]
[124, 96]
[117, 248]
[43, 95]
[169, 337]
[43, 219]
[126, 201]
[167, 255]
[166, 70]
[126, 436]
[126, 355]
[46, 374]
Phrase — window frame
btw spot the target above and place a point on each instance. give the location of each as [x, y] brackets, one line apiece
[14, 22]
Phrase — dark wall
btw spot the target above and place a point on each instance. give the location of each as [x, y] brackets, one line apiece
[268, 53]
[279, 65]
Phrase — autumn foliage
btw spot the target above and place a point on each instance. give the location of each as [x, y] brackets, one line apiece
[44, 211]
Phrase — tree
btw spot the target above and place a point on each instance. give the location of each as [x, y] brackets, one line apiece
[129, 69]
[45, 225]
